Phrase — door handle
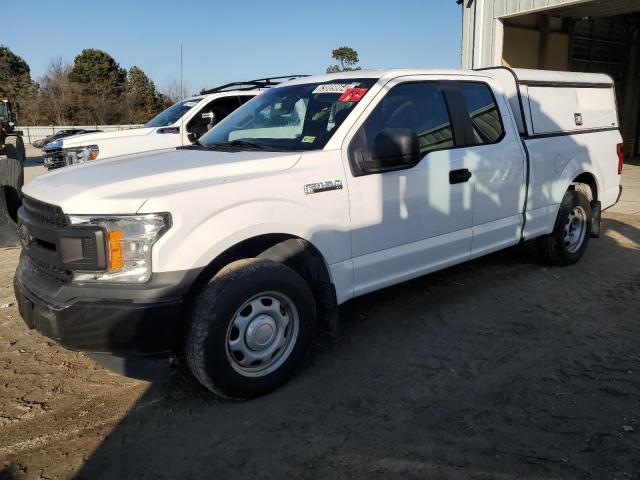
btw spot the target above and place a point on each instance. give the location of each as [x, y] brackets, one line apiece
[459, 176]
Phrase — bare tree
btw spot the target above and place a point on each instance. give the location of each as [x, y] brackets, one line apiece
[173, 92]
[57, 102]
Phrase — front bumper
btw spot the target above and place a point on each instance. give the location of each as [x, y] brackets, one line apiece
[133, 331]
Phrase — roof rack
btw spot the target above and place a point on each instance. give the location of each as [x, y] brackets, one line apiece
[251, 84]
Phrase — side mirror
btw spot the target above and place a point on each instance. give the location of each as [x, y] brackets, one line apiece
[191, 137]
[393, 149]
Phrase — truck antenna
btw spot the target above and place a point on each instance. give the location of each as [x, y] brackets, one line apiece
[181, 95]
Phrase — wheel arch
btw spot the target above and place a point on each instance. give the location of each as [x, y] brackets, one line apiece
[587, 178]
[297, 253]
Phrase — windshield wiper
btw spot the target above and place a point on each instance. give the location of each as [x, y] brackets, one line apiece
[238, 144]
[234, 145]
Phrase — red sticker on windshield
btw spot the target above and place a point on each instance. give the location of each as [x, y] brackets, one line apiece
[353, 94]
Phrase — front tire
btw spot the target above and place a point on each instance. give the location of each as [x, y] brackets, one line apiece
[250, 329]
[570, 237]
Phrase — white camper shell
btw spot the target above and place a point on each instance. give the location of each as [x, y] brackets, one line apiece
[548, 103]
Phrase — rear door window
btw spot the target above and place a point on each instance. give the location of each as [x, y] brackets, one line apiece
[483, 111]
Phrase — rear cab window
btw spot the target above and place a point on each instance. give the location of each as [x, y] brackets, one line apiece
[482, 108]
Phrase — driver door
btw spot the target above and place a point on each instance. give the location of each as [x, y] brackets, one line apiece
[406, 223]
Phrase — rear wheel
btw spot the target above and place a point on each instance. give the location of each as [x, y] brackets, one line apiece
[250, 329]
[570, 237]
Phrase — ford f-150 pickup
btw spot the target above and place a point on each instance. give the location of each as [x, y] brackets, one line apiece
[230, 252]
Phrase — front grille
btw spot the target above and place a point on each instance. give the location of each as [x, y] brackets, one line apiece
[44, 213]
[49, 271]
[40, 213]
[54, 158]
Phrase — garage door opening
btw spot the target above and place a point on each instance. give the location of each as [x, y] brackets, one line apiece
[597, 37]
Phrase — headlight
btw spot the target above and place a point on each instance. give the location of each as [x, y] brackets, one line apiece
[81, 154]
[129, 240]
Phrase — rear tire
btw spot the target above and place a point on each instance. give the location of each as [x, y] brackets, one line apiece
[250, 328]
[570, 237]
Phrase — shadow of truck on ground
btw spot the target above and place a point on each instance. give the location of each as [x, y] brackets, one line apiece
[498, 368]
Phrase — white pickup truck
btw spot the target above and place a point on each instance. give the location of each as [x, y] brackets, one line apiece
[230, 252]
[180, 124]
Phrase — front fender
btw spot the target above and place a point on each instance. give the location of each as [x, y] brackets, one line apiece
[190, 245]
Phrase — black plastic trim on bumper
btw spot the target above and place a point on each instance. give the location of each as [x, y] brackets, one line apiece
[152, 368]
[118, 328]
[133, 331]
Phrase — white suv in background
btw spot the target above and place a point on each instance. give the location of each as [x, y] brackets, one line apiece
[180, 124]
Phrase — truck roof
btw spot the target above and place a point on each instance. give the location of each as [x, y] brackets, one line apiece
[522, 75]
[246, 87]
[391, 72]
[515, 84]
[254, 91]
[526, 76]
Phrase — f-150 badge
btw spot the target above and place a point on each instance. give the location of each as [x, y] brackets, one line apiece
[323, 186]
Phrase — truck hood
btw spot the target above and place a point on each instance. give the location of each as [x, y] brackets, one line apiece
[92, 138]
[121, 185]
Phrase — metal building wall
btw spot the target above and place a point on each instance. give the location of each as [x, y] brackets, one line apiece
[478, 43]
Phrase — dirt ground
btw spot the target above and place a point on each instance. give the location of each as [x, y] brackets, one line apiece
[502, 368]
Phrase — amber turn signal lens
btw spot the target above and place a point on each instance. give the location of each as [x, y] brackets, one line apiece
[116, 261]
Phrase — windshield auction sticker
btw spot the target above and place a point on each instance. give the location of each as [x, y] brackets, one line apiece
[353, 95]
[332, 88]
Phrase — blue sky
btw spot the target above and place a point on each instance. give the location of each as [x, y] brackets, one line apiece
[227, 41]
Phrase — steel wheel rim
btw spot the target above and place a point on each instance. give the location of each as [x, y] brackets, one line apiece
[575, 229]
[262, 334]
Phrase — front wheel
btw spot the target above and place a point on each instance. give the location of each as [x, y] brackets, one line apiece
[250, 328]
[570, 237]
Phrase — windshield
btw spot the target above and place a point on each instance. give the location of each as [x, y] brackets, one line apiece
[172, 114]
[296, 117]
